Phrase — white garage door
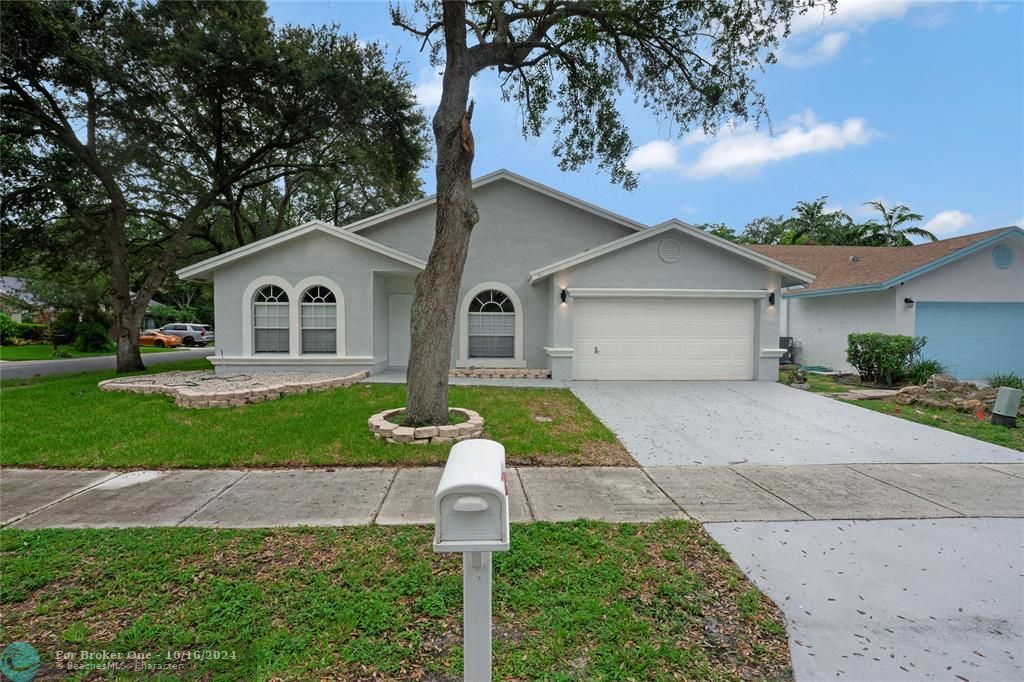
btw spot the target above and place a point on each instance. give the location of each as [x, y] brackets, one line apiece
[663, 338]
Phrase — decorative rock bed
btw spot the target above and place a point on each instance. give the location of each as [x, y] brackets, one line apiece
[498, 373]
[473, 427]
[203, 388]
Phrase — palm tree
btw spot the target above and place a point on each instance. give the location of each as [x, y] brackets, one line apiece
[812, 224]
[893, 230]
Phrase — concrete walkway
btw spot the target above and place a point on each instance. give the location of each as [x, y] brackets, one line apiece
[40, 498]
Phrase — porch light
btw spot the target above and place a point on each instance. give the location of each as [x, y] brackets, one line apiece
[909, 302]
[771, 298]
[563, 295]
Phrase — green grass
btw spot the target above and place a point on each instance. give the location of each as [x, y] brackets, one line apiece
[572, 601]
[964, 423]
[67, 421]
[44, 351]
[819, 383]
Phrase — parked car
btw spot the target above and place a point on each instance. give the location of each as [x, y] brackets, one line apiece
[157, 339]
[190, 334]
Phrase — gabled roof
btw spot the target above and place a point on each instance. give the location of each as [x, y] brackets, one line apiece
[17, 289]
[679, 226]
[853, 269]
[485, 180]
[203, 268]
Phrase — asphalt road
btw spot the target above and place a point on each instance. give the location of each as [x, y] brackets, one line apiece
[28, 368]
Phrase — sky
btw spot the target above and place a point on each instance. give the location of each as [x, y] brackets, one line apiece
[918, 103]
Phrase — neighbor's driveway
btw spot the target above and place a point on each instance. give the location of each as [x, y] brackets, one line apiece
[671, 423]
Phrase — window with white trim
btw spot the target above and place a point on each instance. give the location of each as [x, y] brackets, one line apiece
[492, 326]
[319, 321]
[270, 320]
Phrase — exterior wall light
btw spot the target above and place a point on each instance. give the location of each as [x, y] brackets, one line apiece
[771, 298]
[564, 294]
[909, 302]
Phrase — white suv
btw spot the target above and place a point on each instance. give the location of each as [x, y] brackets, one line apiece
[190, 334]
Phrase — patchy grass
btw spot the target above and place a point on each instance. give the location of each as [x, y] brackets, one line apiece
[44, 351]
[67, 421]
[820, 383]
[580, 600]
[951, 420]
[453, 417]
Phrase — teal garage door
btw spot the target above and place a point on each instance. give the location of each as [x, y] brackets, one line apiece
[973, 340]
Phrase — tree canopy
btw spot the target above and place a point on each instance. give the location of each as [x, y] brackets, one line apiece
[159, 131]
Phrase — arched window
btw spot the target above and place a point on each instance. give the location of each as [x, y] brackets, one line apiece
[319, 321]
[492, 326]
[270, 320]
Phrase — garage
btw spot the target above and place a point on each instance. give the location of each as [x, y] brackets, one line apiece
[663, 338]
[973, 340]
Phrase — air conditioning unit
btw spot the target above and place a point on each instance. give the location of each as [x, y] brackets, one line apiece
[786, 342]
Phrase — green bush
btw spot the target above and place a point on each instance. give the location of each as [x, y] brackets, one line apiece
[35, 333]
[66, 324]
[921, 370]
[92, 336]
[1008, 379]
[883, 358]
[9, 330]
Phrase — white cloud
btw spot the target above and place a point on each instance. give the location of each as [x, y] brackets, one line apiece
[823, 51]
[745, 149]
[656, 155]
[947, 223]
[850, 15]
[428, 91]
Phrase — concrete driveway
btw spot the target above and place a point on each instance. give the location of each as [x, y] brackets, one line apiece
[672, 423]
[909, 598]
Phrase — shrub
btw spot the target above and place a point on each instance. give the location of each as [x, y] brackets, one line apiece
[883, 358]
[1008, 379]
[921, 370]
[9, 330]
[34, 333]
[92, 336]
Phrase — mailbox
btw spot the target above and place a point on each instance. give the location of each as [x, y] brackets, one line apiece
[471, 502]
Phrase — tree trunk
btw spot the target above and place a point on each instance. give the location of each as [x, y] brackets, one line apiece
[437, 287]
[129, 359]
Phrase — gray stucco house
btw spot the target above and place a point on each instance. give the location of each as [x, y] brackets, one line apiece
[550, 282]
[965, 295]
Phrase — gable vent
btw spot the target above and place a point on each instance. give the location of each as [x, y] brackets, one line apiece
[1002, 256]
[669, 250]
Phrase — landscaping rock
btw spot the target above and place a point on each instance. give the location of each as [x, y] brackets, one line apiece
[404, 434]
[943, 382]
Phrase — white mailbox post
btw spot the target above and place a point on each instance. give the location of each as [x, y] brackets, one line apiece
[471, 516]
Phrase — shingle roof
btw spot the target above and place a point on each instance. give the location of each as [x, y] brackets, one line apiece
[842, 267]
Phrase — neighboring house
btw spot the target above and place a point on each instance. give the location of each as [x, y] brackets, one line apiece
[550, 282]
[17, 303]
[965, 294]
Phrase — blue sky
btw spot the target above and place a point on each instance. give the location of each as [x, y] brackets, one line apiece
[920, 103]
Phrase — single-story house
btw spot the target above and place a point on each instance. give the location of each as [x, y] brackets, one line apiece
[551, 282]
[965, 295]
[18, 303]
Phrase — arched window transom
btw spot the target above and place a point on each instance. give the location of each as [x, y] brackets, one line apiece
[270, 320]
[319, 321]
[492, 326]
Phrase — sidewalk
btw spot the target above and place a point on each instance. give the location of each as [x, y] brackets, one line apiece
[40, 498]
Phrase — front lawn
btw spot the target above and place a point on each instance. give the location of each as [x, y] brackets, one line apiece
[44, 351]
[68, 422]
[581, 600]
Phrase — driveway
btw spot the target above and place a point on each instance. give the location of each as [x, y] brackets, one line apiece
[903, 597]
[29, 368]
[672, 423]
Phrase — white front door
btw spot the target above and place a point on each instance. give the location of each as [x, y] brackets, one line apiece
[663, 338]
[399, 313]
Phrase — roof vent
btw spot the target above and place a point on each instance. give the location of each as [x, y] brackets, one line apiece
[669, 250]
[1002, 256]
[854, 259]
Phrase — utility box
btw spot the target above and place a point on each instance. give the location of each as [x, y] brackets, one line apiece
[1004, 412]
[471, 502]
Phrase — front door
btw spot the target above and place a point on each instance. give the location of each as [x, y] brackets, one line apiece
[399, 314]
